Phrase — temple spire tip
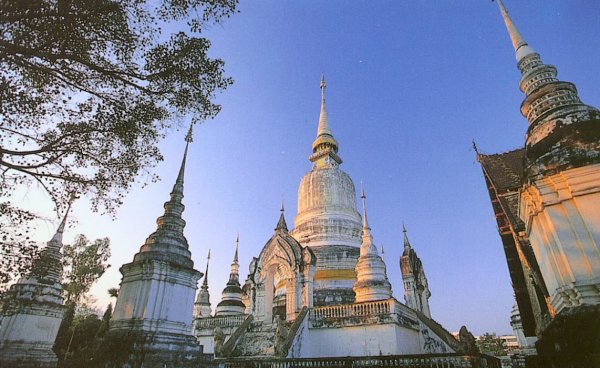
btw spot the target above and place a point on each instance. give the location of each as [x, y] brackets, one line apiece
[521, 47]
[364, 204]
[281, 224]
[406, 242]
[237, 244]
[205, 281]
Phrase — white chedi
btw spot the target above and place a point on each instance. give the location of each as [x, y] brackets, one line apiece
[33, 310]
[371, 277]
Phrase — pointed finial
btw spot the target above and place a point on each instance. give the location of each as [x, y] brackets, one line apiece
[188, 139]
[281, 224]
[234, 275]
[188, 136]
[364, 204]
[57, 238]
[323, 127]
[406, 242]
[521, 47]
[171, 220]
[205, 281]
[382, 252]
[282, 209]
[324, 147]
[237, 243]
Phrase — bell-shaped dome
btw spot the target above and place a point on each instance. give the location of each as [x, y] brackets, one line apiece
[327, 213]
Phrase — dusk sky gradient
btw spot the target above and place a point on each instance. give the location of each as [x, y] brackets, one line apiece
[409, 85]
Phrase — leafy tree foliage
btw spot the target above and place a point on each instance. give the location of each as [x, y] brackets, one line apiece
[75, 345]
[113, 292]
[489, 343]
[17, 250]
[105, 321]
[83, 263]
[87, 89]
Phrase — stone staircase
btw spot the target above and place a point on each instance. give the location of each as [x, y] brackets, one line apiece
[257, 341]
[260, 339]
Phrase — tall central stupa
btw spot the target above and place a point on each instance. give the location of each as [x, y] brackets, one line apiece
[328, 221]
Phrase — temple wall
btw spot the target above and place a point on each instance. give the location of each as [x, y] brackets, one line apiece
[155, 297]
[366, 340]
[30, 328]
[562, 212]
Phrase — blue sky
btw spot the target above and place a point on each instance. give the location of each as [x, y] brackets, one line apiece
[409, 85]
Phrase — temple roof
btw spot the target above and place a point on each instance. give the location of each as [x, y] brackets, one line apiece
[505, 170]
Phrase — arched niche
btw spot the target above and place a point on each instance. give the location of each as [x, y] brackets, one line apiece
[281, 278]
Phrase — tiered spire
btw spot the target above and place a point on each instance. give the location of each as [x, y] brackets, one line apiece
[58, 236]
[174, 207]
[202, 305]
[231, 300]
[51, 256]
[235, 266]
[558, 121]
[33, 309]
[325, 147]
[416, 288]
[371, 277]
[169, 237]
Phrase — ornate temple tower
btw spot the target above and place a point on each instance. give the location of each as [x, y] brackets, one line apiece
[526, 343]
[328, 221]
[561, 193]
[231, 301]
[546, 199]
[157, 291]
[416, 289]
[202, 305]
[33, 310]
[371, 277]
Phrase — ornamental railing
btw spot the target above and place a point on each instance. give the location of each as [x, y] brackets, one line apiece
[388, 310]
[400, 361]
[352, 310]
[223, 321]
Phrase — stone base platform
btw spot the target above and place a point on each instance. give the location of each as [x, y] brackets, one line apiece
[137, 349]
[21, 354]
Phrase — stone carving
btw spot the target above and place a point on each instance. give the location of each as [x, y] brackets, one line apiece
[219, 339]
[281, 334]
[431, 344]
[467, 341]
